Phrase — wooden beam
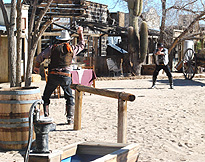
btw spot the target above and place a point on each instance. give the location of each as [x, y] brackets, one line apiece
[51, 33]
[62, 5]
[104, 92]
[66, 15]
[69, 1]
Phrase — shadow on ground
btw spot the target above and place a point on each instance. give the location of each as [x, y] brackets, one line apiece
[177, 83]
[185, 82]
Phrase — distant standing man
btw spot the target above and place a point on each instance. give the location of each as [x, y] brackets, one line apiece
[162, 60]
[61, 55]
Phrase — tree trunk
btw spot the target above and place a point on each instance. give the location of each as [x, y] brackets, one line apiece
[10, 27]
[19, 44]
[33, 38]
[162, 27]
[31, 52]
[12, 45]
[29, 67]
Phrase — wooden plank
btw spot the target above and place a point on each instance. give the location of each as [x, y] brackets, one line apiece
[54, 156]
[96, 148]
[122, 121]
[128, 153]
[69, 150]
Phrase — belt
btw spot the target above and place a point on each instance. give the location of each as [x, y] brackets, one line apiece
[60, 73]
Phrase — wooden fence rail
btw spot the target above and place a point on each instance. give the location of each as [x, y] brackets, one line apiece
[122, 107]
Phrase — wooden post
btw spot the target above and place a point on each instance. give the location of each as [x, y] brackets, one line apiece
[122, 121]
[202, 43]
[100, 45]
[78, 109]
[121, 18]
[39, 47]
[122, 107]
[95, 46]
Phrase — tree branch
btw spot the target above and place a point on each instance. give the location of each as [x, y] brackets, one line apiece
[40, 33]
[42, 13]
[181, 7]
[32, 19]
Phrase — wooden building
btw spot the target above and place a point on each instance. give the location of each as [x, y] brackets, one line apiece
[70, 14]
[4, 60]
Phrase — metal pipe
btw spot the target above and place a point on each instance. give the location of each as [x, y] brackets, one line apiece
[31, 119]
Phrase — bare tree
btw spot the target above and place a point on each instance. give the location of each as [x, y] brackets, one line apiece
[176, 40]
[169, 18]
[10, 27]
[198, 13]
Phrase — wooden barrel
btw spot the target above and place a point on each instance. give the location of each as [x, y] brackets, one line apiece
[15, 104]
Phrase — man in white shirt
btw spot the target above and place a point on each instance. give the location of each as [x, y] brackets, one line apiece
[162, 60]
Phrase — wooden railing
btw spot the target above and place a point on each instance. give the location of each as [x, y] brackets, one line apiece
[122, 107]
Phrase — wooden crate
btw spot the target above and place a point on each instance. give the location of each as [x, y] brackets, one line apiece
[179, 65]
[148, 69]
[91, 152]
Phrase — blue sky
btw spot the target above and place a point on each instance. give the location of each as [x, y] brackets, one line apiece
[113, 5]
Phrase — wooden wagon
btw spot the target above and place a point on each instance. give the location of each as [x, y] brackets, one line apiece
[192, 61]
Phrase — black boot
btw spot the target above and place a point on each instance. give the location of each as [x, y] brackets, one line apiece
[70, 113]
[154, 82]
[46, 110]
[171, 83]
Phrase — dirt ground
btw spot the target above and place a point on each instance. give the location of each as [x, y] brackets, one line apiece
[168, 125]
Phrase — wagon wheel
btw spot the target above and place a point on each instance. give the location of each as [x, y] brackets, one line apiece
[189, 64]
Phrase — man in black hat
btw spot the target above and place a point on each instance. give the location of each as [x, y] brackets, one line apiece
[60, 55]
[161, 61]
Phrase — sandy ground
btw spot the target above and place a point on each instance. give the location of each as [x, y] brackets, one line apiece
[168, 125]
